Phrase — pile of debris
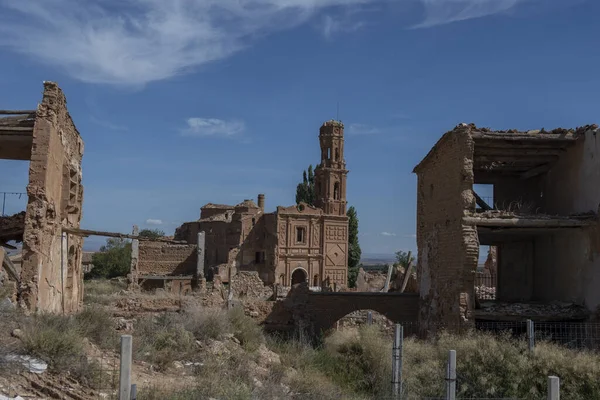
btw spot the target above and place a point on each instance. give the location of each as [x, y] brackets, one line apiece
[485, 292]
[249, 284]
[12, 227]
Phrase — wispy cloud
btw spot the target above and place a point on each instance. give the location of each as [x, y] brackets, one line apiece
[362, 129]
[151, 221]
[411, 235]
[333, 25]
[439, 12]
[133, 42]
[107, 124]
[387, 234]
[213, 127]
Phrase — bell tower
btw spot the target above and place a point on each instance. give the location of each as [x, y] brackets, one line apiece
[330, 174]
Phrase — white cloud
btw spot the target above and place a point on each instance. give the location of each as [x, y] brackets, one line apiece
[412, 235]
[213, 127]
[362, 129]
[107, 124]
[133, 42]
[333, 25]
[154, 221]
[439, 12]
[387, 234]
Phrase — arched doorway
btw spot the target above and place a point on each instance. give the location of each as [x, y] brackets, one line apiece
[299, 276]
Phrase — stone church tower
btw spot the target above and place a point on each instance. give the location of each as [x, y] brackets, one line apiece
[330, 175]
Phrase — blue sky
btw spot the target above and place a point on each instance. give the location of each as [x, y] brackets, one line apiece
[186, 102]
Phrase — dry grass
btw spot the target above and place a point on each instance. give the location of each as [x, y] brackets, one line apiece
[492, 366]
[350, 364]
[102, 291]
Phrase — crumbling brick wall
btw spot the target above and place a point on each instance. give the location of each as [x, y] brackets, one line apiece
[448, 250]
[51, 278]
[159, 258]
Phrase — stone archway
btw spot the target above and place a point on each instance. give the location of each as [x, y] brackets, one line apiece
[299, 276]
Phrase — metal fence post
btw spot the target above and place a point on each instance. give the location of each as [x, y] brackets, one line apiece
[451, 376]
[397, 361]
[530, 335]
[553, 388]
[369, 318]
[125, 368]
[133, 392]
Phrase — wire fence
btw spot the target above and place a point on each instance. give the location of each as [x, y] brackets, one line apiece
[13, 202]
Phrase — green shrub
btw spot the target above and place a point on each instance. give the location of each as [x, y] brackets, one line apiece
[54, 339]
[162, 340]
[245, 329]
[207, 323]
[96, 324]
[359, 362]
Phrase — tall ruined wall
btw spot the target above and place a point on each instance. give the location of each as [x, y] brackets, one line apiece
[158, 258]
[221, 238]
[51, 283]
[257, 250]
[448, 250]
[567, 266]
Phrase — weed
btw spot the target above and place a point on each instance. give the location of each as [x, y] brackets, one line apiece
[207, 323]
[96, 324]
[245, 329]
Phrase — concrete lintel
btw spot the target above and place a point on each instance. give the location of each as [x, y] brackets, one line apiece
[517, 222]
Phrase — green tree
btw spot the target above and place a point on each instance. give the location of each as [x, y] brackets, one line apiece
[113, 259]
[354, 251]
[402, 258]
[152, 233]
[305, 191]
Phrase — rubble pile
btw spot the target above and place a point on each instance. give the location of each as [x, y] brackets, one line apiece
[372, 281]
[485, 292]
[12, 227]
[249, 284]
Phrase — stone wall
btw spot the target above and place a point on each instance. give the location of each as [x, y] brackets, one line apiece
[158, 258]
[448, 250]
[55, 199]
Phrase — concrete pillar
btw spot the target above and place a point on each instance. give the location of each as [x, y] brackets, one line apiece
[64, 260]
[125, 368]
[135, 253]
[553, 388]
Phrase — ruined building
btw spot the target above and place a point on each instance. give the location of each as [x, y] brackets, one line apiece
[542, 220]
[294, 244]
[49, 277]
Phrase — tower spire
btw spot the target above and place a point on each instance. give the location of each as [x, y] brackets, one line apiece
[330, 176]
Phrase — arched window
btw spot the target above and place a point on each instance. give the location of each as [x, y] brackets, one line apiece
[336, 191]
[329, 153]
[337, 154]
[316, 280]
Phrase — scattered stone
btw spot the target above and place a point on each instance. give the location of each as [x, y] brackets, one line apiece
[257, 383]
[124, 325]
[178, 365]
[217, 348]
[17, 333]
[266, 357]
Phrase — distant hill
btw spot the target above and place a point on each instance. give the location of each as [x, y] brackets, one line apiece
[374, 259]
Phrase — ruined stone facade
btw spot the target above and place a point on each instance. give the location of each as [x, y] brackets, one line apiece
[51, 277]
[542, 220]
[295, 244]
